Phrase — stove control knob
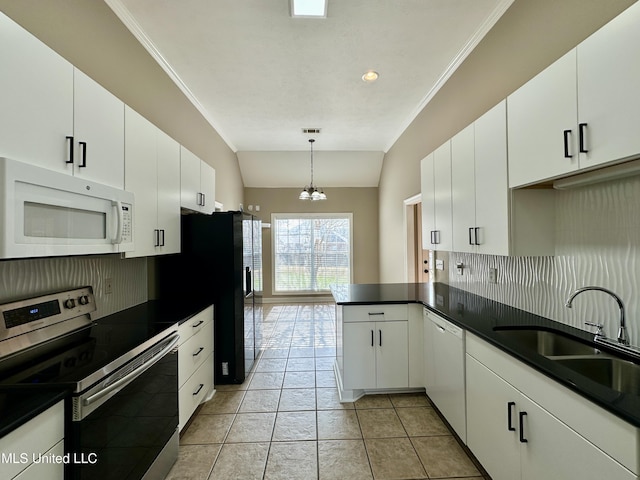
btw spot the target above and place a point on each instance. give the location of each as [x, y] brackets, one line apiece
[70, 303]
[83, 300]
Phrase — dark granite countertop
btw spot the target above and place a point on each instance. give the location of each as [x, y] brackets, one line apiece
[18, 406]
[482, 316]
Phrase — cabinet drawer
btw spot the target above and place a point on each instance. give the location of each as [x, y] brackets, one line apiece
[195, 324]
[374, 313]
[34, 437]
[195, 390]
[48, 471]
[193, 352]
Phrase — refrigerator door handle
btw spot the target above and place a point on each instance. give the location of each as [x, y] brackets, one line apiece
[247, 279]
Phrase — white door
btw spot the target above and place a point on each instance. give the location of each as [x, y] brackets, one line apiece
[463, 190]
[141, 178]
[189, 180]
[36, 105]
[442, 193]
[492, 183]
[359, 355]
[392, 355]
[542, 117]
[168, 192]
[489, 400]
[208, 187]
[608, 100]
[427, 185]
[98, 118]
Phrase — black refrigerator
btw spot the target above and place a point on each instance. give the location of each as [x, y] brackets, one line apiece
[221, 264]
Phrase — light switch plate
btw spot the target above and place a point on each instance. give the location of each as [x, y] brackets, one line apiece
[493, 275]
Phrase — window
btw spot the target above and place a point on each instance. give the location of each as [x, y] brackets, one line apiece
[310, 252]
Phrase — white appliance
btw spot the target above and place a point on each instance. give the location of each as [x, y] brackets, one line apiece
[45, 213]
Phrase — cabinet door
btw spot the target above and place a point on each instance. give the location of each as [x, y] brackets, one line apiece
[488, 436]
[463, 191]
[553, 451]
[427, 184]
[98, 118]
[539, 113]
[208, 187]
[36, 104]
[141, 178]
[608, 100]
[168, 192]
[442, 192]
[359, 355]
[491, 182]
[392, 355]
[189, 180]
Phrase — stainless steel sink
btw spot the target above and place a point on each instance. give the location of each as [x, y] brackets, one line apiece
[546, 342]
[615, 373]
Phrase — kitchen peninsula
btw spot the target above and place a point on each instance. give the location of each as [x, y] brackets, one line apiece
[383, 344]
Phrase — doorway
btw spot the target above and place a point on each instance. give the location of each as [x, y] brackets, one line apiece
[417, 259]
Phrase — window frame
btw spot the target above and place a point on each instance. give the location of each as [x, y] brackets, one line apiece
[311, 216]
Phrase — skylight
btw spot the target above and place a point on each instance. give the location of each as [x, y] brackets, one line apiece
[309, 8]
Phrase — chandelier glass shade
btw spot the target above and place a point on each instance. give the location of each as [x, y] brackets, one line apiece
[311, 192]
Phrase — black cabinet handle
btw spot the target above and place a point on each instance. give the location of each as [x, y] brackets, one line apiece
[582, 129]
[471, 242]
[198, 352]
[70, 148]
[522, 439]
[476, 231]
[380, 333]
[510, 426]
[432, 241]
[83, 157]
[162, 236]
[204, 199]
[199, 388]
[156, 233]
[372, 338]
[566, 144]
[198, 324]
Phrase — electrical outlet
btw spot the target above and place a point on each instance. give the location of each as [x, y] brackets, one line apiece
[225, 368]
[493, 275]
[108, 286]
[439, 264]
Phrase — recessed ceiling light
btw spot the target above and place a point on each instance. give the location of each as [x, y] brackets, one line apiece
[370, 76]
[309, 8]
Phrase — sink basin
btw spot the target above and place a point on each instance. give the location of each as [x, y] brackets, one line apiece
[546, 342]
[615, 373]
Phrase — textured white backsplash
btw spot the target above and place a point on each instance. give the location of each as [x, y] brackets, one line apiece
[597, 243]
[38, 276]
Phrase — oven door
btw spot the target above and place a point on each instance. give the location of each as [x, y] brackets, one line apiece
[122, 424]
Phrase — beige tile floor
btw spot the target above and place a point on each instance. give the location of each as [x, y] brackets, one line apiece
[286, 422]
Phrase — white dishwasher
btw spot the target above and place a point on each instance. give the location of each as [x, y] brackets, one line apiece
[445, 378]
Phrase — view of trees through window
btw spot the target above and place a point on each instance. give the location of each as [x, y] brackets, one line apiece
[311, 252]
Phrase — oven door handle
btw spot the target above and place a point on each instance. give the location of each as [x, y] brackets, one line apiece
[173, 341]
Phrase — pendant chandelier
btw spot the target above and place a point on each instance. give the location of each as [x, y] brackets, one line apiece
[311, 192]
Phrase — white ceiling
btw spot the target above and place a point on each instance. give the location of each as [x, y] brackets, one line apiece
[260, 76]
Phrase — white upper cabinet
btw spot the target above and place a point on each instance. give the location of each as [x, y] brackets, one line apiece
[98, 132]
[436, 199]
[197, 184]
[542, 125]
[608, 99]
[581, 112]
[463, 190]
[36, 100]
[152, 173]
[53, 115]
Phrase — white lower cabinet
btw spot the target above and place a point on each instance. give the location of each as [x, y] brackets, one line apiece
[195, 363]
[42, 435]
[514, 437]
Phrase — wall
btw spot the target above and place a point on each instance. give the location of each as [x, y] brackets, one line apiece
[597, 232]
[362, 202]
[530, 36]
[90, 36]
[32, 277]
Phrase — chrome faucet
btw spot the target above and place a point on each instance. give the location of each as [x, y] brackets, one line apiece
[622, 331]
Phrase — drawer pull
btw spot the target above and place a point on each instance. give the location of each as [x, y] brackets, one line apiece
[198, 390]
[380, 333]
[583, 138]
[376, 313]
[510, 426]
[522, 439]
[198, 324]
[372, 338]
[566, 135]
[198, 352]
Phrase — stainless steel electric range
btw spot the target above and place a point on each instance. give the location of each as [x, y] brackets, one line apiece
[121, 374]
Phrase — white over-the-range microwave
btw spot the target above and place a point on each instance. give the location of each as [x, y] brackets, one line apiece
[45, 213]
